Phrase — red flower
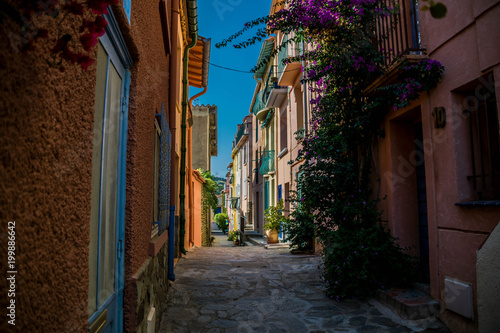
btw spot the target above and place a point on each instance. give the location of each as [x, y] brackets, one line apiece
[75, 8]
[89, 41]
[69, 55]
[97, 27]
[85, 61]
[98, 6]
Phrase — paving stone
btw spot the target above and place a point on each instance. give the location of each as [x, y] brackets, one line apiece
[204, 319]
[253, 289]
[357, 321]
[222, 314]
[383, 321]
[368, 328]
[333, 322]
[224, 323]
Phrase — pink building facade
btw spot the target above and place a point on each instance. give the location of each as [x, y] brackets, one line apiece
[439, 168]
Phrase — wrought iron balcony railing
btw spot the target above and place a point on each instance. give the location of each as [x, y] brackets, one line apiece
[398, 35]
[267, 162]
[239, 134]
[289, 49]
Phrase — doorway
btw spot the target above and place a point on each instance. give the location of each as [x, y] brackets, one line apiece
[423, 225]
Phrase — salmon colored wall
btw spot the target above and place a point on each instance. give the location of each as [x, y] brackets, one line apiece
[46, 133]
[464, 43]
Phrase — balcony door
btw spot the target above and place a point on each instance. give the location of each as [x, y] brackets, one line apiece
[107, 227]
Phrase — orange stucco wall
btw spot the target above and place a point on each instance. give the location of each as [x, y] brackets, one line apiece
[46, 138]
[46, 131]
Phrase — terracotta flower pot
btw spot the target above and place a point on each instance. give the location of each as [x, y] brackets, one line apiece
[272, 236]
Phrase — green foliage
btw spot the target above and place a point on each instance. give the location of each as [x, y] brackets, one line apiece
[274, 217]
[358, 261]
[210, 189]
[220, 219]
[336, 203]
[233, 235]
[299, 230]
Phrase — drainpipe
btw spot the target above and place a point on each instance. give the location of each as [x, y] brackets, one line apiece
[173, 112]
[304, 97]
[193, 33]
[196, 96]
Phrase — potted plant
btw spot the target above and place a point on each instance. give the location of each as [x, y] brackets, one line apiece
[234, 236]
[275, 219]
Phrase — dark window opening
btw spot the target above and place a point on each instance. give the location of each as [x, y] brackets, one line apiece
[484, 143]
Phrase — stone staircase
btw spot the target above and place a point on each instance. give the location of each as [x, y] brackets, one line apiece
[411, 304]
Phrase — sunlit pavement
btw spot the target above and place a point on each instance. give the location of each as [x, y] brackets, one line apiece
[225, 288]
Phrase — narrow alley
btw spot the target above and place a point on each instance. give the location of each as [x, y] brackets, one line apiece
[253, 289]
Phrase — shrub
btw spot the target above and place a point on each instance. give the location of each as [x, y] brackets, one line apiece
[299, 230]
[233, 235]
[358, 261]
[220, 219]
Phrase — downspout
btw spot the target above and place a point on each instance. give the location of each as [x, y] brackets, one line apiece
[304, 97]
[173, 112]
[192, 16]
[196, 96]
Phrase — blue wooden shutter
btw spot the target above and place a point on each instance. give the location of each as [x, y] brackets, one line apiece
[266, 194]
[165, 166]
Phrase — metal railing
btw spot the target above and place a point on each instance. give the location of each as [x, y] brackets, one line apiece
[267, 162]
[398, 35]
[288, 50]
[261, 99]
[239, 134]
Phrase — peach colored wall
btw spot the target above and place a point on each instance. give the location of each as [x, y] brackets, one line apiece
[197, 209]
[465, 43]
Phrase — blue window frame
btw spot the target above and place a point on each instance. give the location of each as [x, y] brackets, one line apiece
[107, 222]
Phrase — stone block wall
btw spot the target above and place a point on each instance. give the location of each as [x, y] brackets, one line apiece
[151, 283]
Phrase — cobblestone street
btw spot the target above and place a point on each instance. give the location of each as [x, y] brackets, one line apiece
[253, 289]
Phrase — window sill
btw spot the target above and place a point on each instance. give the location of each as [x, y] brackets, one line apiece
[157, 243]
[481, 203]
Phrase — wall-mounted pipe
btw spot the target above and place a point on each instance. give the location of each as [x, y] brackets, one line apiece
[193, 34]
[304, 87]
[173, 113]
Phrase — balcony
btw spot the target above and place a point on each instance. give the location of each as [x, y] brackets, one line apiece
[259, 109]
[277, 96]
[235, 202]
[398, 35]
[240, 137]
[267, 162]
[398, 39]
[289, 72]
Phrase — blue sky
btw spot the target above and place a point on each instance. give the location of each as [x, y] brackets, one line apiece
[231, 91]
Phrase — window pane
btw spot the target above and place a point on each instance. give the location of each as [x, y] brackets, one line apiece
[102, 61]
[109, 186]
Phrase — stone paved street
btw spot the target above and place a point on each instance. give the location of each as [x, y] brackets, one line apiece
[253, 289]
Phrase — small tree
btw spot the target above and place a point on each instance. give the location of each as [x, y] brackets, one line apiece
[220, 219]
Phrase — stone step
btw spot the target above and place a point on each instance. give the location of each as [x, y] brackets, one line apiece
[408, 303]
